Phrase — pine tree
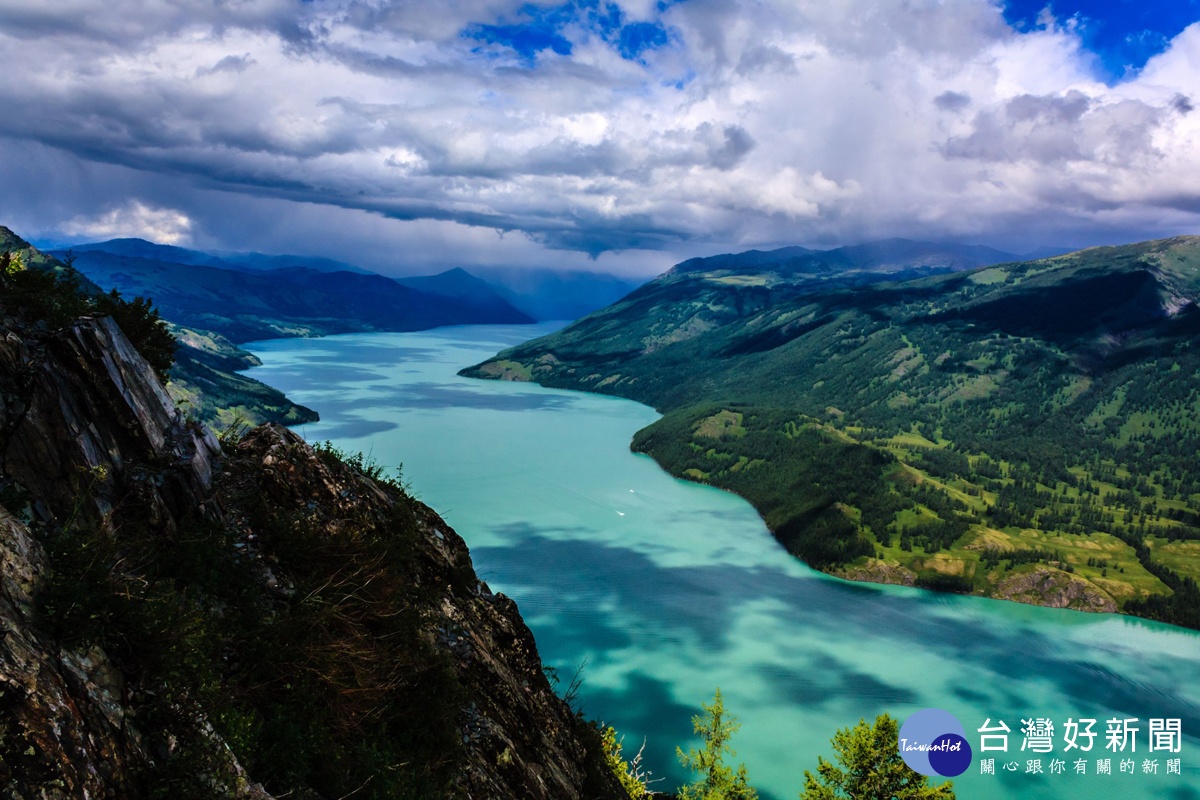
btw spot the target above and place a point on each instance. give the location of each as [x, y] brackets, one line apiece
[717, 781]
[870, 768]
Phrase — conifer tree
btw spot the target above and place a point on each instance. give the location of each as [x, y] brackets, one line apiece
[869, 767]
[717, 781]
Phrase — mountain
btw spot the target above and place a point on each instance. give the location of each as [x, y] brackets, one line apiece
[1024, 430]
[244, 306]
[464, 289]
[553, 295]
[887, 256]
[140, 248]
[539, 294]
[206, 381]
[240, 618]
[204, 377]
[260, 261]
[254, 262]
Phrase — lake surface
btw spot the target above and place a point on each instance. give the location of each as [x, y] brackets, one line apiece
[666, 589]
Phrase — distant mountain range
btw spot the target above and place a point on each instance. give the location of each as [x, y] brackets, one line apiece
[206, 377]
[140, 248]
[244, 305]
[887, 256]
[539, 294]
[913, 413]
[547, 294]
[217, 300]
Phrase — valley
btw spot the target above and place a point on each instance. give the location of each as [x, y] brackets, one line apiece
[662, 589]
[1023, 431]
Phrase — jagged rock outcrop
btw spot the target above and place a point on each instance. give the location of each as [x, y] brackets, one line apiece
[81, 409]
[90, 444]
[62, 732]
[519, 737]
[1047, 586]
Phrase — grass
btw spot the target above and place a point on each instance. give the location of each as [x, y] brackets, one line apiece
[721, 425]
[1183, 557]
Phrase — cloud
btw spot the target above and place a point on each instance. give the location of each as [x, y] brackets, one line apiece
[952, 101]
[133, 220]
[227, 64]
[597, 126]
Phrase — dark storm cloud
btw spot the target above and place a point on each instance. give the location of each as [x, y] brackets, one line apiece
[765, 58]
[1038, 128]
[227, 64]
[727, 147]
[952, 101]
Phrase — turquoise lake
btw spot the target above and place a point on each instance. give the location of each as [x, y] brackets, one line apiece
[665, 590]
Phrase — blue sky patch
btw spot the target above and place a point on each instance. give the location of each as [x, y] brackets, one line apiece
[526, 40]
[1124, 34]
[639, 37]
[537, 29]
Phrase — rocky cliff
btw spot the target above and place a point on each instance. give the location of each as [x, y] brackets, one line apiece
[182, 617]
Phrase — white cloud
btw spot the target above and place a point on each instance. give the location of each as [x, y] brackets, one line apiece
[133, 220]
[758, 122]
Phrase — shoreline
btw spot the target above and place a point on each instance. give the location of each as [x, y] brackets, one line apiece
[1042, 585]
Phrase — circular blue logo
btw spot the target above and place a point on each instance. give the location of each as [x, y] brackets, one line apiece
[934, 743]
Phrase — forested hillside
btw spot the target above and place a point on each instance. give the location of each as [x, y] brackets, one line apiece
[1024, 430]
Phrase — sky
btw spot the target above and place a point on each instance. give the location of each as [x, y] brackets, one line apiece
[619, 136]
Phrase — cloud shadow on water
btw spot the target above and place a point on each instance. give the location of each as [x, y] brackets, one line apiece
[825, 679]
[702, 604]
[305, 377]
[447, 395]
[368, 354]
[356, 429]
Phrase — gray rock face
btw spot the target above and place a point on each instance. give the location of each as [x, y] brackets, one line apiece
[61, 709]
[81, 414]
[1046, 586]
[78, 408]
[519, 737]
[88, 432]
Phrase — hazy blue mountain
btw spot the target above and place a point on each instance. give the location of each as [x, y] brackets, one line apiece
[462, 287]
[455, 282]
[263, 262]
[140, 248]
[243, 306]
[546, 294]
[541, 294]
[253, 261]
[889, 255]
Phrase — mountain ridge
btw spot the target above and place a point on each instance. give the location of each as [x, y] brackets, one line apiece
[244, 306]
[244, 617]
[885, 255]
[1022, 415]
[539, 293]
[204, 376]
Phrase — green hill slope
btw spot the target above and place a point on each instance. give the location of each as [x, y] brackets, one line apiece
[1025, 430]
